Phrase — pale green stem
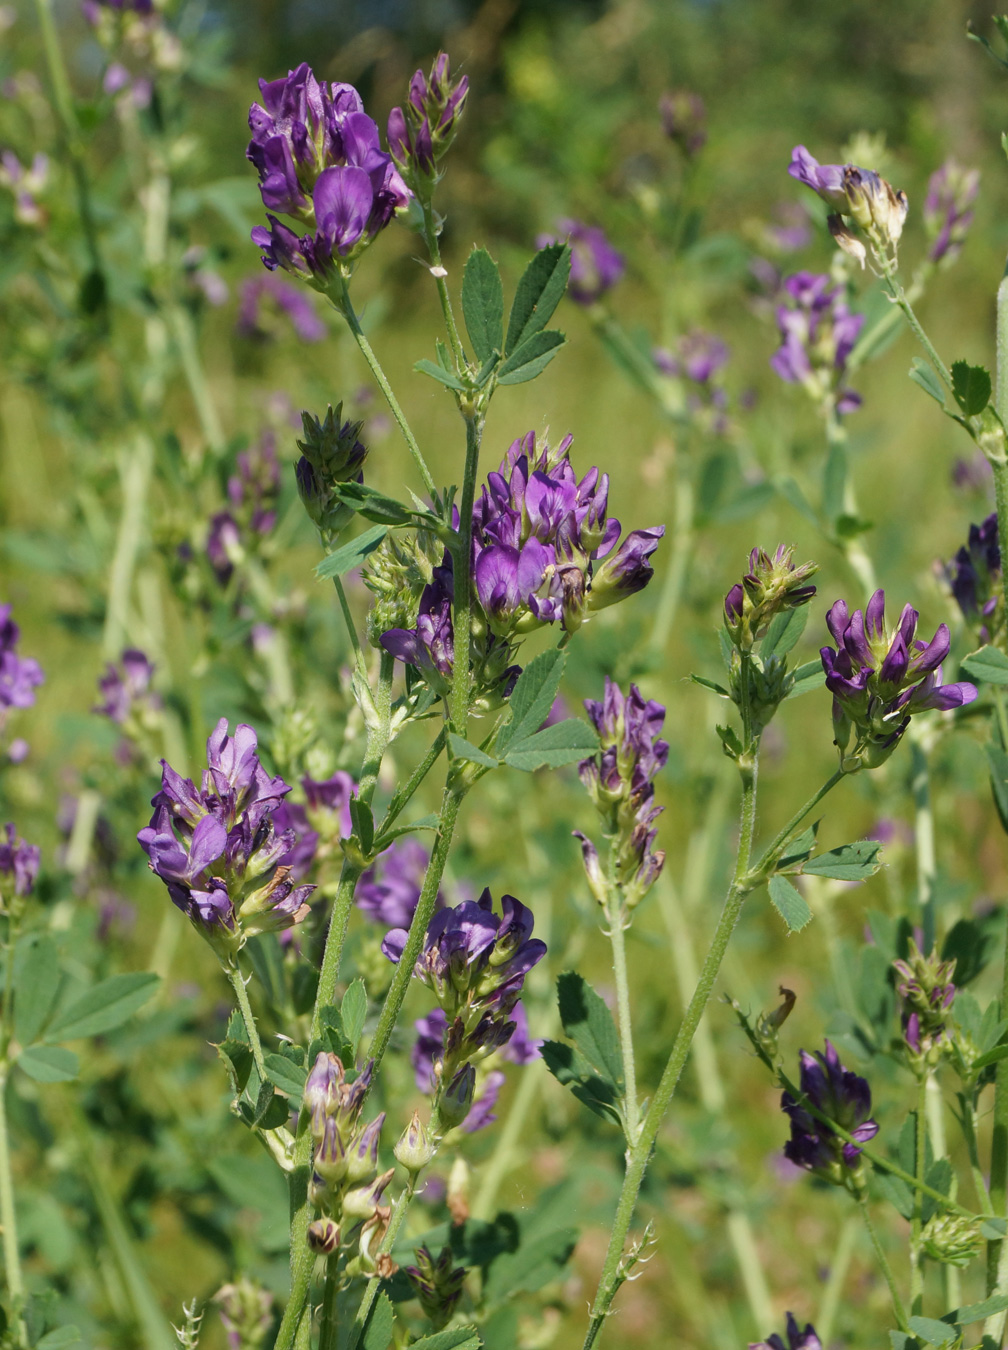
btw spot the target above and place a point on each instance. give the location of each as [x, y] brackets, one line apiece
[328, 1321]
[916, 1222]
[8, 1217]
[345, 307]
[134, 476]
[897, 1302]
[970, 1121]
[78, 852]
[612, 1275]
[617, 934]
[434, 248]
[924, 836]
[378, 734]
[1001, 712]
[187, 345]
[830, 1305]
[388, 1241]
[899, 295]
[233, 972]
[351, 628]
[853, 549]
[994, 1327]
[675, 576]
[332, 956]
[939, 1147]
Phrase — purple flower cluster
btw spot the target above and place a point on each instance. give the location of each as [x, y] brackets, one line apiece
[475, 962]
[818, 333]
[126, 689]
[544, 551]
[796, 1339]
[389, 890]
[217, 849]
[860, 194]
[296, 304]
[419, 135]
[924, 984]
[20, 676]
[253, 491]
[975, 577]
[842, 1096]
[19, 862]
[948, 210]
[319, 161]
[428, 1052]
[26, 184]
[879, 679]
[620, 782]
[595, 265]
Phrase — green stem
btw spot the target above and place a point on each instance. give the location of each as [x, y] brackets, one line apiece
[8, 1217]
[852, 548]
[338, 923]
[184, 332]
[233, 972]
[612, 1275]
[839, 1267]
[404, 794]
[772, 851]
[897, 292]
[351, 628]
[939, 1148]
[617, 934]
[897, 1302]
[917, 1221]
[345, 307]
[924, 834]
[675, 576]
[510, 1139]
[387, 1243]
[434, 249]
[328, 1323]
[970, 1121]
[378, 734]
[418, 928]
[134, 475]
[458, 699]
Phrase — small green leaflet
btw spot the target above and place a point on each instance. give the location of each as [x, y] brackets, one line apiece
[932, 1331]
[976, 1312]
[459, 1338]
[539, 292]
[850, 862]
[349, 556]
[379, 1326]
[445, 377]
[789, 903]
[483, 304]
[589, 1023]
[107, 1005]
[784, 631]
[374, 505]
[353, 1010]
[563, 743]
[36, 985]
[807, 676]
[532, 697]
[988, 664]
[971, 387]
[285, 1075]
[532, 357]
[463, 749]
[56, 1340]
[48, 1063]
[922, 374]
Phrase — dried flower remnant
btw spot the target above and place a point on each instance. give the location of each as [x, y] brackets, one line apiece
[842, 1096]
[420, 133]
[860, 195]
[684, 120]
[217, 850]
[796, 1339]
[948, 210]
[818, 333]
[596, 266]
[620, 782]
[297, 305]
[974, 575]
[319, 161]
[880, 679]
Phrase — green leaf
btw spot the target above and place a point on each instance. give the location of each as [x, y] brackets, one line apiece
[532, 357]
[56, 1340]
[991, 1057]
[570, 1068]
[353, 1010]
[710, 684]
[789, 903]
[285, 1075]
[976, 1312]
[536, 1261]
[798, 849]
[236, 1057]
[373, 505]
[459, 1338]
[987, 664]
[807, 677]
[728, 737]
[562, 743]
[589, 1024]
[379, 1325]
[896, 1191]
[36, 985]
[784, 631]
[349, 556]
[483, 304]
[363, 823]
[993, 1228]
[932, 1331]
[107, 1005]
[48, 1063]
[436, 372]
[922, 374]
[532, 697]
[971, 387]
[850, 862]
[539, 292]
[463, 749]
[978, 37]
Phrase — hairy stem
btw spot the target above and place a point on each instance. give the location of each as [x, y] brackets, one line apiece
[233, 972]
[895, 289]
[884, 1265]
[617, 934]
[917, 1222]
[924, 835]
[437, 270]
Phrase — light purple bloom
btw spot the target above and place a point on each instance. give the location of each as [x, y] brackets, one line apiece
[842, 1096]
[20, 676]
[948, 209]
[818, 333]
[126, 687]
[879, 679]
[389, 890]
[296, 304]
[861, 194]
[328, 803]
[595, 265]
[18, 861]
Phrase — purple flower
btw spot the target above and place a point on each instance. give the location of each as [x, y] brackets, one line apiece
[19, 675]
[772, 584]
[19, 861]
[924, 985]
[297, 305]
[974, 575]
[796, 1340]
[948, 210]
[595, 265]
[818, 333]
[319, 160]
[389, 890]
[421, 132]
[328, 803]
[879, 679]
[430, 647]
[684, 120]
[217, 848]
[842, 1096]
[860, 194]
[127, 687]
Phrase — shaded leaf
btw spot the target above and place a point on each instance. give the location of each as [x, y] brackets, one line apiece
[463, 749]
[850, 862]
[532, 697]
[483, 304]
[532, 357]
[285, 1075]
[36, 985]
[349, 556]
[922, 374]
[562, 743]
[988, 664]
[353, 1010]
[789, 903]
[570, 1068]
[48, 1063]
[379, 1326]
[107, 1005]
[971, 387]
[589, 1024]
[784, 631]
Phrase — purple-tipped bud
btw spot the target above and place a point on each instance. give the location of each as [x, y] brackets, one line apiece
[331, 1161]
[437, 1284]
[19, 864]
[321, 1089]
[323, 1236]
[362, 1153]
[363, 1202]
[415, 1148]
[455, 1101]
[948, 210]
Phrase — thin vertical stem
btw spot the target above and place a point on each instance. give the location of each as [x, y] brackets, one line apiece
[916, 1222]
[675, 576]
[437, 270]
[924, 836]
[830, 1304]
[939, 1148]
[135, 468]
[184, 333]
[233, 972]
[328, 1324]
[899, 295]
[8, 1218]
[378, 733]
[386, 1245]
[883, 1261]
[617, 933]
[458, 699]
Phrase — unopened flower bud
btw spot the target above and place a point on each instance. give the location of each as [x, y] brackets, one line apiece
[415, 1148]
[952, 1239]
[331, 1161]
[362, 1154]
[323, 1236]
[363, 1201]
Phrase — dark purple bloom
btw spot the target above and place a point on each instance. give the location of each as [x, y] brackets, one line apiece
[842, 1096]
[948, 209]
[796, 1339]
[595, 265]
[430, 647]
[684, 120]
[421, 132]
[389, 890]
[975, 577]
[217, 849]
[19, 675]
[18, 861]
[296, 304]
[818, 333]
[860, 194]
[126, 687]
[879, 679]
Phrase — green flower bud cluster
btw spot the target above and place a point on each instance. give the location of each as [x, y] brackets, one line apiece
[952, 1239]
[331, 453]
[772, 585]
[437, 1284]
[396, 574]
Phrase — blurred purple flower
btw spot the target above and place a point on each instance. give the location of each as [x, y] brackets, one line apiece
[796, 1339]
[948, 209]
[595, 265]
[861, 194]
[389, 890]
[974, 575]
[684, 120]
[880, 679]
[818, 333]
[842, 1096]
[20, 676]
[126, 686]
[19, 861]
[296, 304]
